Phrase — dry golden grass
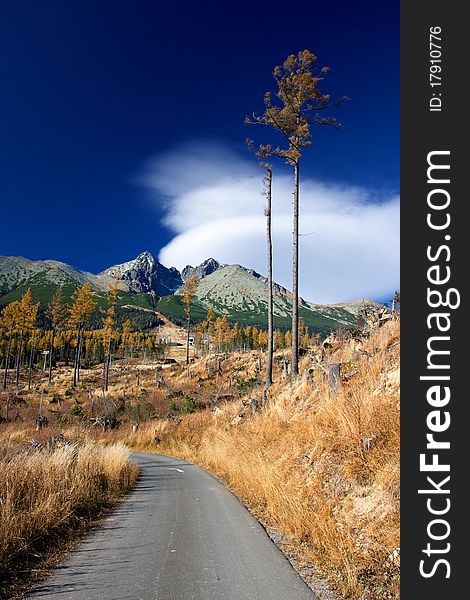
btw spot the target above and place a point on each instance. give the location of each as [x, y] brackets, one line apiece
[44, 493]
[321, 468]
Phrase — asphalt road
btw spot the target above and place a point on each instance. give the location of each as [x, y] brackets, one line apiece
[180, 535]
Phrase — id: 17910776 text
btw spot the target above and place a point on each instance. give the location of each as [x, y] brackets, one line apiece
[435, 68]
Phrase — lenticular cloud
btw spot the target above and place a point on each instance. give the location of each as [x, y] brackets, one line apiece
[349, 247]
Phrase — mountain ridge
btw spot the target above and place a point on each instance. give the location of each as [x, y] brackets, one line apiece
[234, 290]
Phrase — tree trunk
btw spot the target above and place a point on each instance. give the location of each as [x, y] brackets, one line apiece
[80, 352]
[106, 363]
[188, 325]
[51, 351]
[30, 366]
[76, 359]
[18, 360]
[269, 356]
[295, 278]
[7, 361]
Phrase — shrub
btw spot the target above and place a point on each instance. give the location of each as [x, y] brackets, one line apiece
[186, 407]
[245, 385]
[76, 410]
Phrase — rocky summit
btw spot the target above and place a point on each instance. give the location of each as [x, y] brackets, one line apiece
[206, 268]
[145, 274]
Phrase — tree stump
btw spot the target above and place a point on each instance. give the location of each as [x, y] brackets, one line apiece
[285, 368]
[334, 377]
[41, 422]
[264, 397]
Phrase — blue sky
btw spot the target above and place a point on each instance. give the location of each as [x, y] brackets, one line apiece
[97, 95]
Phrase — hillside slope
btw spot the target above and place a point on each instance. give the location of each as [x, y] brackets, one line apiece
[242, 294]
[19, 272]
[233, 290]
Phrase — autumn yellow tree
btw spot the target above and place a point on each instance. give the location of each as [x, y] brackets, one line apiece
[109, 325]
[255, 337]
[278, 339]
[296, 107]
[187, 292]
[56, 312]
[8, 324]
[25, 318]
[235, 336]
[127, 329]
[222, 332]
[209, 326]
[83, 306]
[32, 349]
[304, 335]
[288, 339]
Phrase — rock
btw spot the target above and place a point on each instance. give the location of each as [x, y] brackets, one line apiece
[145, 274]
[206, 268]
[394, 557]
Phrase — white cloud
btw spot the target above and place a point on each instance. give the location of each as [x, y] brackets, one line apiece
[350, 243]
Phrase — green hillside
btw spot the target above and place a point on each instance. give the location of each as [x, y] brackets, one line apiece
[138, 308]
[172, 308]
[42, 290]
[233, 290]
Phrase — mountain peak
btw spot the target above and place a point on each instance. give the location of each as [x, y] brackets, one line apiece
[205, 268]
[145, 274]
[146, 256]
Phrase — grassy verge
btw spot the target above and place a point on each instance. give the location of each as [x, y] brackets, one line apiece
[49, 495]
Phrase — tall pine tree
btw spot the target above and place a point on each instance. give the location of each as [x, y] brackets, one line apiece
[83, 306]
[296, 107]
[8, 323]
[25, 318]
[56, 312]
[109, 325]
